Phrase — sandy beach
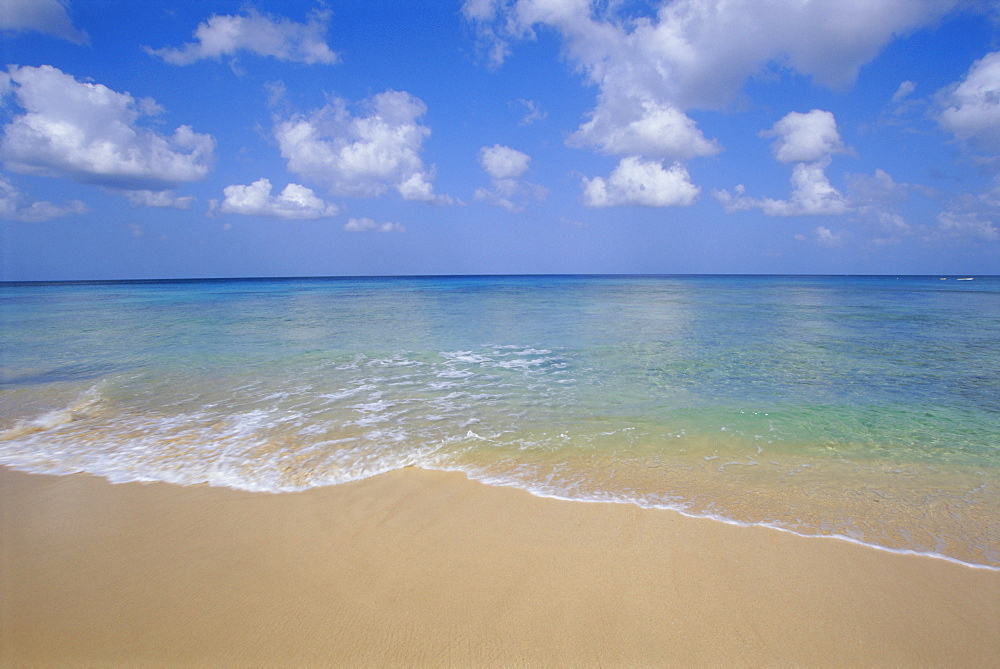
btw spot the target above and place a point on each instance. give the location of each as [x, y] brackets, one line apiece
[428, 568]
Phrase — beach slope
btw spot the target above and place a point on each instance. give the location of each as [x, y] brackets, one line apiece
[420, 567]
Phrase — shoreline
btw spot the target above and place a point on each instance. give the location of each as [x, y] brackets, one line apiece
[541, 494]
[769, 526]
[428, 567]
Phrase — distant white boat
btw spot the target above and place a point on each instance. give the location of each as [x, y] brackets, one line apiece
[965, 279]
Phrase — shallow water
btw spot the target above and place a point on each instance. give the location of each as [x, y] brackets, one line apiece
[861, 407]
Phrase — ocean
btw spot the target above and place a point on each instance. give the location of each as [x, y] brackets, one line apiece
[862, 408]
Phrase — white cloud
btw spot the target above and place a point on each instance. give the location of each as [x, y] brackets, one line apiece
[641, 182]
[361, 156]
[804, 138]
[871, 201]
[505, 167]
[808, 140]
[812, 195]
[259, 33]
[294, 202]
[874, 201]
[991, 197]
[823, 236]
[972, 106]
[879, 189]
[14, 206]
[483, 13]
[417, 186]
[904, 91]
[158, 198]
[964, 225]
[90, 133]
[970, 217]
[44, 16]
[624, 126]
[650, 69]
[827, 237]
[276, 92]
[503, 162]
[532, 112]
[369, 225]
[700, 51]
[479, 10]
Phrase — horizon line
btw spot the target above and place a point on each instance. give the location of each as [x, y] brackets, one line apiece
[483, 276]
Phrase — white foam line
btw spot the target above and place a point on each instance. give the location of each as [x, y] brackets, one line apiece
[729, 521]
[217, 480]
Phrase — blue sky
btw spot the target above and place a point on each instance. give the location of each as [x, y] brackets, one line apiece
[348, 137]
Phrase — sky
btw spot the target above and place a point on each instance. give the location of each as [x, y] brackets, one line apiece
[217, 138]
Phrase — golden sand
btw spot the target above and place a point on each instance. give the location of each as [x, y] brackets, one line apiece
[428, 568]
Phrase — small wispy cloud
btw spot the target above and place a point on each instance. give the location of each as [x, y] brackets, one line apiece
[371, 225]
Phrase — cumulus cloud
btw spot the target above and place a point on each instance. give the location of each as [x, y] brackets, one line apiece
[700, 51]
[259, 33]
[871, 200]
[972, 106]
[158, 198]
[362, 156]
[16, 206]
[370, 225]
[641, 182]
[294, 202]
[804, 138]
[44, 16]
[625, 126]
[91, 134]
[503, 162]
[506, 167]
[651, 68]
[812, 195]
[808, 140]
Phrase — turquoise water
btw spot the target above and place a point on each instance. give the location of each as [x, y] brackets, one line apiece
[861, 407]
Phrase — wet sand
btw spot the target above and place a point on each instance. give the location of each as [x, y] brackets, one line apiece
[428, 568]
